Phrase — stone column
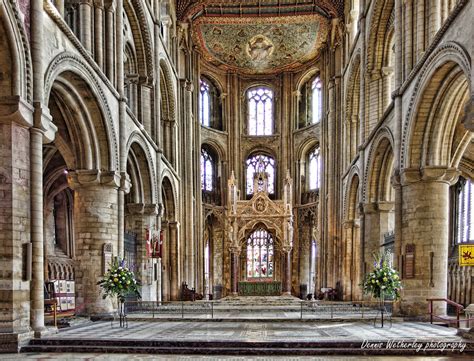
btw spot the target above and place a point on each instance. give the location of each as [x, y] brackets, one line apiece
[95, 225]
[174, 260]
[37, 284]
[14, 215]
[85, 16]
[408, 36]
[425, 223]
[234, 267]
[59, 4]
[165, 263]
[286, 286]
[379, 220]
[140, 217]
[99, 33]
[109, 40]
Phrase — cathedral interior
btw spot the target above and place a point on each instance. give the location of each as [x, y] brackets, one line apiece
[233, 148]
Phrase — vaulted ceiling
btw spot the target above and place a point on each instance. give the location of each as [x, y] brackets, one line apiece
[259, 37]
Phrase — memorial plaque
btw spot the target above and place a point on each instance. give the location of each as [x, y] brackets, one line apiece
[409, 271]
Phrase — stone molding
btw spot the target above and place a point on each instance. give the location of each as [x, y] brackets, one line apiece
[15, 109]
[143, 209]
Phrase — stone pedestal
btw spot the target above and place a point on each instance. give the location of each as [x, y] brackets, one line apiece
[425, 224]
[95, 225]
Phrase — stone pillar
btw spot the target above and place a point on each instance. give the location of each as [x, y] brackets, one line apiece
[234, 267]
[14, 218]
[140, 217]
[425, 223]
[85, 16]
[286, 286]
[99, 33]
[379, 220]
[408, 36]
[174, 260]
[59, 4]
[95, 225]
[37, 281]
[165, 263]
[109, 40]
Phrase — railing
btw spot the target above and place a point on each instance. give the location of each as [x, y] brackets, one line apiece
[445, 319]
[222, 310]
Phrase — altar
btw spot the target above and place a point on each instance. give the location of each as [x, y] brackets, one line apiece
[260, 288]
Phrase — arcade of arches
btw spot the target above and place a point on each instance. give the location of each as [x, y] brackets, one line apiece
[254, 141]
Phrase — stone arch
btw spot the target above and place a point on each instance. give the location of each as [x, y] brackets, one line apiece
[169, 198]
[305, 147]
[306, 76]
[352, 176]
[140, 174]
[147, 164]
[81, 125]
[352, 106]
[69, 64]
[270, 225]
[380, 23]
[167, 91]
[352, 197]
[379, 168]
[215, 147]
[15, 52]
[436, 105]
[142, 37]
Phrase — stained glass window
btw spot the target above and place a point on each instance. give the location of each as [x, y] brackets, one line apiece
[205, 104]
[258, 163]
[260, 254]
[314, 169]
[465, 216]
[207, 171]
[316, 101]
[260, 111]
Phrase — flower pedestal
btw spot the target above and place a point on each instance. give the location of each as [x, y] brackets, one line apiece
[382, 314]
[122, 315]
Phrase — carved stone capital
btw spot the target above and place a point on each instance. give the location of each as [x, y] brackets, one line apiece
[89, 178]
[429, 174]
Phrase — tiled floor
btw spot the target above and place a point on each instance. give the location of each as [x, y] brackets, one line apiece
[261, 331]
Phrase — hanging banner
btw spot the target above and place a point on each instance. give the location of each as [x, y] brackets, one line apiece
[148, 243]
[466, 254]
[157, 244]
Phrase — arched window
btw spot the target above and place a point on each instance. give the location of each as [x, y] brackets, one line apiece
[260, 254]
[260, 111]
[310, 102]
[260, 163]
[316, 100]
[314, 166]
[210, 110]
[207, 171]
[205, 103]
[465, 212]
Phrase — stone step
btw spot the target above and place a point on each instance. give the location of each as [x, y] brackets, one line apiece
[217, 347]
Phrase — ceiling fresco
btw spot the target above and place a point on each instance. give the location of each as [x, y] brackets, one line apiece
[260, 44]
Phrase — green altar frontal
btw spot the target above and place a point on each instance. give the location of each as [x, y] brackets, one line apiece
[272, 288]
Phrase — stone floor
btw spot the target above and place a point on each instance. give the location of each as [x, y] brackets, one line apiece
[132, 357]
[261, 331]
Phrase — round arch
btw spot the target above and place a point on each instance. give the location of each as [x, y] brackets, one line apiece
[435, 109]
[84, 81]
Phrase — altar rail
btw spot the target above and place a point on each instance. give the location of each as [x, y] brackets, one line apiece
[218, 310]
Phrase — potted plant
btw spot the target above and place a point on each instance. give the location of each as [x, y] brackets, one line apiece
[383, 282]
[119, 281]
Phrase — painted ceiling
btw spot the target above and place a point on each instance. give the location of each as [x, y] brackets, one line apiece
[265, 44]
[259, 36]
